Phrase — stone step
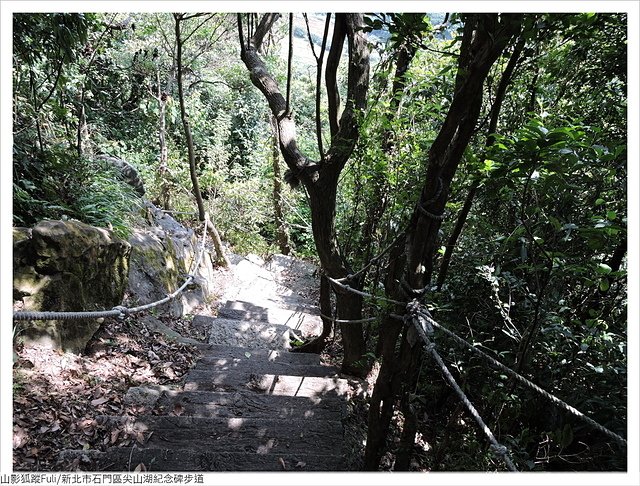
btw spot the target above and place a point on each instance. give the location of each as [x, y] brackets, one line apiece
[233, 332]
[216, 351]
[303, 318]
[254, 405]
[163, 459]
[232, 434]
[258, 366]
[270, 384]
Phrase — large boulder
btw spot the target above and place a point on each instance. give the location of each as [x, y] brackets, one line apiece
[163, 253]
[67, 266]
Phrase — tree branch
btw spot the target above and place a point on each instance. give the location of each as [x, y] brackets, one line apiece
[263, 28]
[344, 140]
[289, 65]
[330, 75]
[195, 29]
[313, 49]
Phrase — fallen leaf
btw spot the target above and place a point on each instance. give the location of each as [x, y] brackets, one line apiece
[178, 409]
[282, 463]
[20, 437]
[301, 464]
[99, 401]
[114, 435]
[140, 468]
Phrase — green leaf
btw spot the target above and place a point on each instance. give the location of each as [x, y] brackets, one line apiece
[611, 215]
[247, 354]
[599, 201]
[604, 284]
[603, 269]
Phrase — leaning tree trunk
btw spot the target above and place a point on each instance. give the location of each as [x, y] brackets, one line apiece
[484, 38]
[505, 79]
[202, 215]
[320, 178]
[282, 232]
[163, 164]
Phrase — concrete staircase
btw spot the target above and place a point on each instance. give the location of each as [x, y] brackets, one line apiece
[248, 404]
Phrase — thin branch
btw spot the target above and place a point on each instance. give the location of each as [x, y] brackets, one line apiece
[319, 61]
[197, 27]
[166, 46]
[53, 87]
[192, 16]
[205, 81]
[331, 81]
[313, 49]
[289, 64]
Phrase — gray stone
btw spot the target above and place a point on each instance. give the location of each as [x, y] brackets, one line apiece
[163, 253]
[67, 266]
[127, 172]
[156, 325]
[246, 333]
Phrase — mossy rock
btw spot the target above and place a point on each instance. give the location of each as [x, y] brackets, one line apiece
[68, 266]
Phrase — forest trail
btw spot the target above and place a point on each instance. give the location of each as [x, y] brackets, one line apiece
[248, 404]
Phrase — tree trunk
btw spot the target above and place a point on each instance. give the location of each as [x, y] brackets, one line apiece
[484, 38]
[505, 79]
[321, 178]
[186, 124]
[282, 232]
[82, 126]
[317, 345]
[221, 257]
[202, 215]
[163, 165]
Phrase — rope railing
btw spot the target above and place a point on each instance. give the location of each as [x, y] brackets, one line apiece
[363, 294]
[349, 321]
[373, 260]
[521, 379]
[497, 448]
[416, 317]
[118, 311]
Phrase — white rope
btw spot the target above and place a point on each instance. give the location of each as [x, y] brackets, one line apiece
[349, 321]
[527, 383]
[497, 448]
[423, 327]
[363, 294]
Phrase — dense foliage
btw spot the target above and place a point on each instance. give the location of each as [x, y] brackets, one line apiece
[537, 276]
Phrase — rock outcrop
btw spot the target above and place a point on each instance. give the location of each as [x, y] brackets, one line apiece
[127, 172]
[71, 266]
[67, 266]
[162, 255]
